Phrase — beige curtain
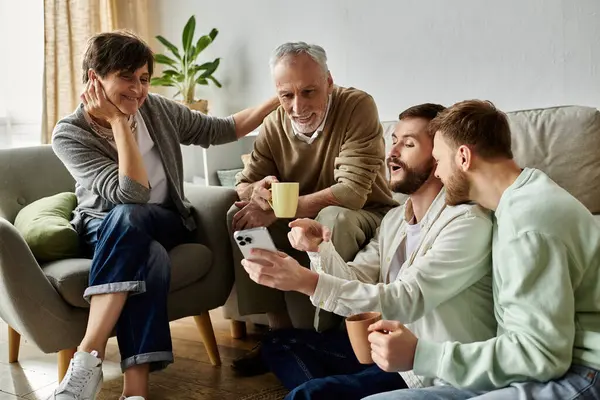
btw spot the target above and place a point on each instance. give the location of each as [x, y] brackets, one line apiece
[68, 24]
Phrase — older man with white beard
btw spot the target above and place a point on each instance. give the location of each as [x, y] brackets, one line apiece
[428, 267]
[328, 139]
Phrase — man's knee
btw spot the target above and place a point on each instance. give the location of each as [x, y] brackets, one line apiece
[336, 217]
[347, 230]
[345, 224]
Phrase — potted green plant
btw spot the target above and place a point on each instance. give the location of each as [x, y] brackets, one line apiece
[182, 71]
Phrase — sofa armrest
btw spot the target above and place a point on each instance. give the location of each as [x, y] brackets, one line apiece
[28, 302]
[211, 204]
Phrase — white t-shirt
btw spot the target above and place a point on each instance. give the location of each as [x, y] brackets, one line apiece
[159, 190]
[405, 250]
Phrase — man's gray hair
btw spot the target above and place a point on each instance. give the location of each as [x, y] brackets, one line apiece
[316, 52]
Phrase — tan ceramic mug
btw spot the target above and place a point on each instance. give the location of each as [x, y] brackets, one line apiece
[358, 332]
[284, 199]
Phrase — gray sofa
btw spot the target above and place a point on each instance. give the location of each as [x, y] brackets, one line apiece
[44, 302]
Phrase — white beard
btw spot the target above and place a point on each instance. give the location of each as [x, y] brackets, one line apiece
[305, 129]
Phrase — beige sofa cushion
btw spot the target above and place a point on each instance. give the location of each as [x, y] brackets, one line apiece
[189, 263]
[564, 142]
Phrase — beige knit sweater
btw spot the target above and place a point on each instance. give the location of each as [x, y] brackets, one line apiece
[348, 156]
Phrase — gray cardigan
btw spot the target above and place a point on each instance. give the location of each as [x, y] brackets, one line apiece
[93, 162]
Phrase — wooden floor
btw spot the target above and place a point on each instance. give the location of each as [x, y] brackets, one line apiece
[190, 377]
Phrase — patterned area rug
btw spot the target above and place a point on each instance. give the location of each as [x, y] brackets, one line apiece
[276, 393]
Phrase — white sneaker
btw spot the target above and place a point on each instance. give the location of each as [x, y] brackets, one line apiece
[131, 398]
[83, 380]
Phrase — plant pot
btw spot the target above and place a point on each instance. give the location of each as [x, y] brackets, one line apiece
[200, 105]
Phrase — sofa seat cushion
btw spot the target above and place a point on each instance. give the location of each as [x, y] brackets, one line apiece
[189, 263]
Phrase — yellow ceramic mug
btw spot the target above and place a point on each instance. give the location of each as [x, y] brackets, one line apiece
[284, 198]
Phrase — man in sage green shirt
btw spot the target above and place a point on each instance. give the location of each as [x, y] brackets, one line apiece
[546, 271]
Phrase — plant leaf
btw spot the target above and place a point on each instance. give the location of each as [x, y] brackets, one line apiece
[190, 54]
[193, 70]
[162, 81]
[213, 34]
[169, 45]
[188, 34]
[212, 69]
[215, 81]
[202, 43]
[173, 76]
[162, 59]
[204, 66]
[201, 81]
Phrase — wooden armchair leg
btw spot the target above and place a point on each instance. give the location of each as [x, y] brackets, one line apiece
[208, 337]
[64, 359]
[238, 329]
[14, 343]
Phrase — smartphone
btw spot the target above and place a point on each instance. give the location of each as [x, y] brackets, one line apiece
[255, 238]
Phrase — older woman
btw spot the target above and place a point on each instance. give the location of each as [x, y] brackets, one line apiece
[122, 146]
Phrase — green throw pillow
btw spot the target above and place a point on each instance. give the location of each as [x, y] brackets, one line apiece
[44, 224]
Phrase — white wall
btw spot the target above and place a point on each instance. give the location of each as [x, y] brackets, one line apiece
[519, 54]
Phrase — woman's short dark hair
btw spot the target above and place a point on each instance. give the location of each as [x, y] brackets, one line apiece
[116, 51]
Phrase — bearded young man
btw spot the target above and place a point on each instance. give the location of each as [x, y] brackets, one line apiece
[429, 266]
[546, 269]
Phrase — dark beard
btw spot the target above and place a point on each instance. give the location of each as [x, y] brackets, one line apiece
[414, 177]
[457, 189]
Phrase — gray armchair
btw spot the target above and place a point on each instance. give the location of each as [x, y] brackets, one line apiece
[44, 302]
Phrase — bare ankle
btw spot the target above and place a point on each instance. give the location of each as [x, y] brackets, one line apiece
[89, 346]
[135, 381]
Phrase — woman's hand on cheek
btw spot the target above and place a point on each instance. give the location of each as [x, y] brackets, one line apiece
[98, 105]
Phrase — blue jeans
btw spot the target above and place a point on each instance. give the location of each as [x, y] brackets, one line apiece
[322, 365]
[130, 254]
[579, 382]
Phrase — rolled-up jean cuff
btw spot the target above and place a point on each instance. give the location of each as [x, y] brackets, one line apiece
[133, 287]
[157, 360]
